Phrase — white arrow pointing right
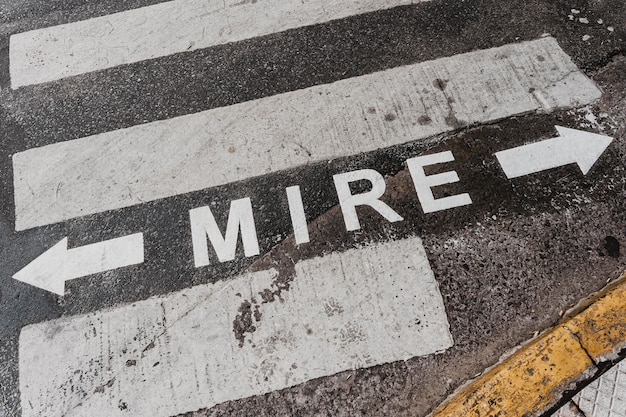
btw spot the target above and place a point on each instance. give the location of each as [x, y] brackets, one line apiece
[572, 146]
[52, 268]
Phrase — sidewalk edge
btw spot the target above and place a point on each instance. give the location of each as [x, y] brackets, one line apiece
[536, 376]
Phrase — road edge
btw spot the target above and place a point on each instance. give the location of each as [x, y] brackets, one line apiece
[542, 373]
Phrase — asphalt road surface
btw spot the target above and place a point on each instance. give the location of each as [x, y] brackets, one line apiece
[265, 207]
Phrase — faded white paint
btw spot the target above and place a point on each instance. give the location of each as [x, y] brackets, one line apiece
[165, 158]
[57, 265]
[571, 146]
[162, 29]
[178, 353]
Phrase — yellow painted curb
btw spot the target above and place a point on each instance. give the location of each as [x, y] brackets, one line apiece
[534, 378]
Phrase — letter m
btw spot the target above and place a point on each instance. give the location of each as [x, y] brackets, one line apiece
[203, 225]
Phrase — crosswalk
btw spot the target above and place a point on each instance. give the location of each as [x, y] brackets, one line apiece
[163, 29]
[178, 352]
[197, 151]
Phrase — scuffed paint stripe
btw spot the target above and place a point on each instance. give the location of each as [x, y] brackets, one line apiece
[156, 160]
[536, 376]
[213, 343]
[158, 30]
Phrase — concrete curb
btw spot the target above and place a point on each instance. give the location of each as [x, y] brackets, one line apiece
[534, 379]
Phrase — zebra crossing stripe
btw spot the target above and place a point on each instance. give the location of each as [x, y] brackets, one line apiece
[162, 29]
[181, 352]
[165, 158]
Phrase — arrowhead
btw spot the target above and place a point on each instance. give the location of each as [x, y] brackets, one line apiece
[586, 147]
[47, 271]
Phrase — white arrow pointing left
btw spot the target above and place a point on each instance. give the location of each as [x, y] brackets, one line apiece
[51, 269]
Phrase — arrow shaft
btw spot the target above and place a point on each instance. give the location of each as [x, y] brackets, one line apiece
[536, 157]
[104, 256]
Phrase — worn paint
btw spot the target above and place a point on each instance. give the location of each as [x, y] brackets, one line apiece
[527, 382]
[163, 29]
[160, 159]
[601, 328]
[213, 343]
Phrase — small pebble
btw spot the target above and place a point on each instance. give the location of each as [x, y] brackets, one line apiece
[570, 16]
[586, 37]
[583, 20]
[574, 11]
[591, 118]
[610, 29]
[600, 21]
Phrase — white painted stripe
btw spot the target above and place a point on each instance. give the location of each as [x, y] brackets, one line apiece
[188, 153]
[178, 353]
[167, 28]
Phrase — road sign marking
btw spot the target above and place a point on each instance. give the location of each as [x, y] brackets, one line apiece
[178, 353]
[349, 201]
[571, 146]
[204, 225]
[163, 29]
[424, 183]
[165, 158]
[241, 216]
[297, 214]
[58, 264]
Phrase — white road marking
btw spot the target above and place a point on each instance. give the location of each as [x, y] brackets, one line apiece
[297, 214]
[178, 353]
[57, 265]
[349, 201]
[163, 29]
[423, 183]
[188, 153]
[572, 146]
[204, 225]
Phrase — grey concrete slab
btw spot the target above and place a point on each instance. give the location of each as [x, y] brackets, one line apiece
[606, 396]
